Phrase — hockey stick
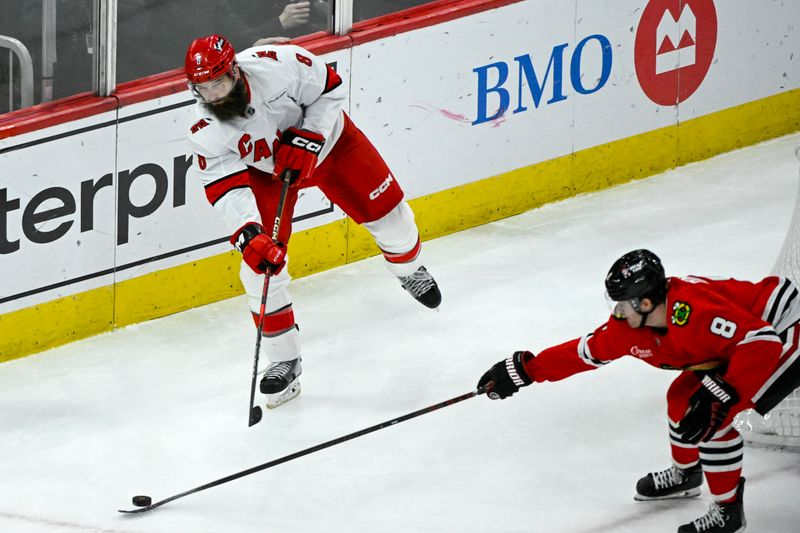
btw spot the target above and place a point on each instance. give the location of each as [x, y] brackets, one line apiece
[313, 449]
[255, 410]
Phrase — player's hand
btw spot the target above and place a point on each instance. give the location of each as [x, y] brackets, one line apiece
[295, 14]
[508, 376]
[297, 152]
[259, 251]
[708, 408]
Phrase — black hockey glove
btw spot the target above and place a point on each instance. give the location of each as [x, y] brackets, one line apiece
[708, 408]
[508, 376]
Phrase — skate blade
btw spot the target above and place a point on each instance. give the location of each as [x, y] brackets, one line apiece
[280, 398]
[691, 493]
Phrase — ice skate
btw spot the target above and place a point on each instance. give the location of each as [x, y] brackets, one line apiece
[721, 517]
[422, 287]
[671, 483]
[280, 382]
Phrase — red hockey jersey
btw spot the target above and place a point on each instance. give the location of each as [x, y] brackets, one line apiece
[710, 323]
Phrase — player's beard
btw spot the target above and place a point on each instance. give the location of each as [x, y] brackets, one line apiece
[233, 105]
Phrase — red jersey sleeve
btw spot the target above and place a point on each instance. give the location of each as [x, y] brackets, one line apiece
[589, 352]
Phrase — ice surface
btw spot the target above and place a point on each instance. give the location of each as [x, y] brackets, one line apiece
[161, 407]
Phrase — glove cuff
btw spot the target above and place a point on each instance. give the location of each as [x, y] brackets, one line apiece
[304, 139]
[720, 389]
[515, 366]
[242, 236]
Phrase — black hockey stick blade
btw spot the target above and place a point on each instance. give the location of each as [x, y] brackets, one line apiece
[255, 416]
[318, 447]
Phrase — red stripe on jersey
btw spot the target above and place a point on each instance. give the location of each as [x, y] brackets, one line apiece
[332, 81]
[404, 257]
[221, 187]
[277, 322]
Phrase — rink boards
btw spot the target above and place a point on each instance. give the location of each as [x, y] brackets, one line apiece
[480, 117]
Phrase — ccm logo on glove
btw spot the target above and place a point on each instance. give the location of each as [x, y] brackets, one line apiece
[297, 153]
[307, 144]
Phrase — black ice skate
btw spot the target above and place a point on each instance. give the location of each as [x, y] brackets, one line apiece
[671, 483]
[422, 287]
[280, 382]
[721, 517]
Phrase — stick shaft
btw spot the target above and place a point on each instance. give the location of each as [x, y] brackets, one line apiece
[318, 447]
[252, 419]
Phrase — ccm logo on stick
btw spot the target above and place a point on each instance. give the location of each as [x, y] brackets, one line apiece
[381, 188]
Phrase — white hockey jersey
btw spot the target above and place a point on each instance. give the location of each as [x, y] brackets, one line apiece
[288, 87]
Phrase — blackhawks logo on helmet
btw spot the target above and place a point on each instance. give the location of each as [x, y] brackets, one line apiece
[680, 313]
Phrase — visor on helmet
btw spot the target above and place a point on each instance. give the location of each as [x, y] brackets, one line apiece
[210, 92]
[623, 308]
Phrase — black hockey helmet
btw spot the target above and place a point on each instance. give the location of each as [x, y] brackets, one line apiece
[636, 275]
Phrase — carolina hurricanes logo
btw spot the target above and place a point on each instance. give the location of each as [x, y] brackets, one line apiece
[219, 44]
[675, 44]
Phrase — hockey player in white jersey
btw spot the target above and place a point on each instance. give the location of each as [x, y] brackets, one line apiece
[271, 109]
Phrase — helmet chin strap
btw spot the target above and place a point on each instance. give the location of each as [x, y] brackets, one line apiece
[644, 314]
[644, 317]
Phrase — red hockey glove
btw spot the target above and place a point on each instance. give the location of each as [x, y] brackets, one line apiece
[298, 153]
[708, 408]
[508, 376]
[259, 251]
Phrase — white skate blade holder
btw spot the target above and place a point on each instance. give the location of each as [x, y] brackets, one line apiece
[689, 493]
[287, 394]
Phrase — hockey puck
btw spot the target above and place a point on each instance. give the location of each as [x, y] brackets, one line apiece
[142, 501]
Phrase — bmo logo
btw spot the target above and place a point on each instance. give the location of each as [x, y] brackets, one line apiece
[674, 48]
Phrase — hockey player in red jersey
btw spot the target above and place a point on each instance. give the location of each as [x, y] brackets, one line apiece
[271, 109]
[735, 344]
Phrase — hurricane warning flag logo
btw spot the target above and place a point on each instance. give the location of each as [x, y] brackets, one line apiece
[675, 44]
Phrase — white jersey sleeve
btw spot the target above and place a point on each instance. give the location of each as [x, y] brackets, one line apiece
[224, 176]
